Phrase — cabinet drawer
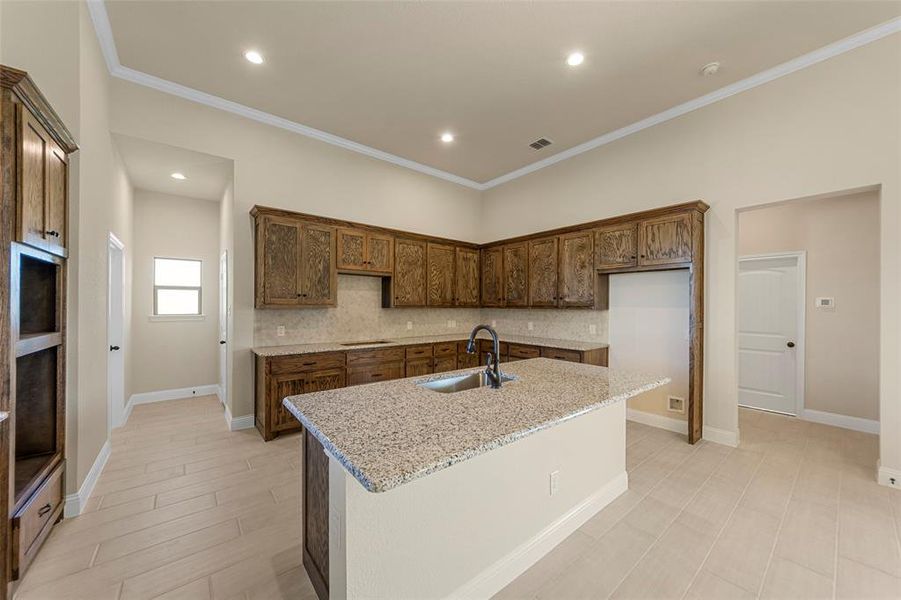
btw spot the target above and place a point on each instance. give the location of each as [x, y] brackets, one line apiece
[521, 351]
[419, 351]
[299, 363]
[377, 372]
[445, 363]
[560, 354]
[33, 521]
[446, 349]
[358, 357]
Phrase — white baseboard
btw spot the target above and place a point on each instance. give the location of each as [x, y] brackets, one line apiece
[888, 477]
[836, 420]
[238, 423]
[721, 436]
[75, 502]
[659, 421]
[173, 394]
[497, 576]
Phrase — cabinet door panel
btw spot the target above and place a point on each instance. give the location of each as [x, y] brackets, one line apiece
[385, 371]
[278, 262]
[616, 247]
[351, 250]
[319, 381]
[282, 387]
[34, 143]
[492, 269]
[56, 199]
[577, 276]
[465, 360]
[516, 274]
[665, 240]
[380, 253]
[409, 273]
[543, 272]
[441, 275]
[445, 363]
[318, 265]
[419, 366]
[467, 277]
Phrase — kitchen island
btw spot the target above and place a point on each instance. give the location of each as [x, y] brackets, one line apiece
[414, 493]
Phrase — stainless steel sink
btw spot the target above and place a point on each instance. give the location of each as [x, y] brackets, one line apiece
[449, 385]
[369, 343]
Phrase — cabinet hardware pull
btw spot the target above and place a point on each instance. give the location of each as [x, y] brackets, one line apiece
[52, 233]
[309, 364]
[44, 510]
[376, 374]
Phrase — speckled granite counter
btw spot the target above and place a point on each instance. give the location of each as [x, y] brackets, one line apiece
[387, 434]
[425, 339]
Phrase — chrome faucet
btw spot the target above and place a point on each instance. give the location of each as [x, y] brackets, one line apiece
[492, 368]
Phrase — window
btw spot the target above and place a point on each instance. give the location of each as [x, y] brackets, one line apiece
[176, 286]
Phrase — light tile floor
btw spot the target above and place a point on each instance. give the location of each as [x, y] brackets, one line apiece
[794, 512]
[185, 509]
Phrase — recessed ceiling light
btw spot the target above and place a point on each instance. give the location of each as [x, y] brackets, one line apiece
[254, 57]
[710, 68]
[447, 137]
[575, 59]
[179, 176]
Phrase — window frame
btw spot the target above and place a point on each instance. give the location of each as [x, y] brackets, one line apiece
[155, 309]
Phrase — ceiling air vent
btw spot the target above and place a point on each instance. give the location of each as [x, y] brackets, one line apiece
[540, 143]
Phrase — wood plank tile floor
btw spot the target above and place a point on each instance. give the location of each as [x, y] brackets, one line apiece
[186, 509]
[183, 509]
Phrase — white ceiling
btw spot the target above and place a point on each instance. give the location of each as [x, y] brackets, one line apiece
[394, 75]
[150, 166]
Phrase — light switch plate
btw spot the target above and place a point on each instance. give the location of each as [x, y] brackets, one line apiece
[409, 324]
[593, 329]
[530, 325]
[825, 303]
[280, 331]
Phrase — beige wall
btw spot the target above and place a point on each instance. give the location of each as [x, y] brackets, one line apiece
[55, 43]
[840, 236]
[171, 354]
[277, 168]
[226, 245]
[833, 126]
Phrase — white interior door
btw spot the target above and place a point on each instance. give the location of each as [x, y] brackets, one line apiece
[116, 334]
[770, 338]
[223, 327]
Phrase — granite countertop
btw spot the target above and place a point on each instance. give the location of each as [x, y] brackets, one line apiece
[389, 433]
[425, 339]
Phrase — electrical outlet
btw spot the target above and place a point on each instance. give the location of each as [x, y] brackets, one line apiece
[451, 324]
[409, 325]
[593, 329]
[493, 324]
[675, 404]
[530, 325]
[554, 482]
[280, 331]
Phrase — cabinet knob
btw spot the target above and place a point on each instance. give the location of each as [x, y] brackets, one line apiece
[52, 233]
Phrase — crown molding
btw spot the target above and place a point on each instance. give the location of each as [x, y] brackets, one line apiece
[104, 33]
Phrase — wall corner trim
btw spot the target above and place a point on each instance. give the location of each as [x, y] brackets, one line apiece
[238, 423]
[104, 32]
[495, 577]
[658, 421]
[74, 503]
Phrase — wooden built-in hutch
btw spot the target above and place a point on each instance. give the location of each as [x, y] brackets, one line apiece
[33, 250]
[299, 256]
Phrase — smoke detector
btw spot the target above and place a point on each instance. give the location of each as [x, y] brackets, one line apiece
[710, 69]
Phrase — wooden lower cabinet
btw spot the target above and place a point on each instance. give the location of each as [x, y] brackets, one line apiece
[32, 523]
[278, 377]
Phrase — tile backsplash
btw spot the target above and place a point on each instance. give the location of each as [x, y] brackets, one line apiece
[360, 316]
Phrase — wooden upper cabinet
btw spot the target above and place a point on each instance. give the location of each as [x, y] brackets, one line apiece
[318, 266]
[359, 250]
[577, 274]
[441, 277]
[42, 193]
[616, 247]
[665, 240]
[278, 262]
[380, 253]
[466, 283]
[295, 263]
[516, 274]
[492, 269]
[543, 272]
[410, 272]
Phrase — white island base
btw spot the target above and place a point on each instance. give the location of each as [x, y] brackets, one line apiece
[469, 530]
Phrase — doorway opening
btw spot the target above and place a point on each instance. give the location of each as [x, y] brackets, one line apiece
[116, 334]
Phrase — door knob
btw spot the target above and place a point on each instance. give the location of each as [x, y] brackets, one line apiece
[790, 344]
[113, 348]
[221, 341]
